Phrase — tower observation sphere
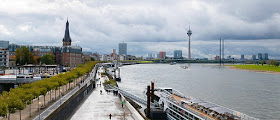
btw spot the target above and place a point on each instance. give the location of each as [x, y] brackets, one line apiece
[189, 33]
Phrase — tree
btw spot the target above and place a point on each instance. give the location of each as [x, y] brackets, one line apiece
[23, 56]
[269, 62]
[276, 64]
[92, 59]
[48, 59]
[262, 62]
[3, 107]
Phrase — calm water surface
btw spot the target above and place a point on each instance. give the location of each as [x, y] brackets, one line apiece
[255, 94]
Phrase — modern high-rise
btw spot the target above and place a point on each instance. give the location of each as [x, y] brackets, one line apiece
[265, 56]
[4, 44]
[122, 48]
[162, 55]
[150, 56]
[114, 51]
[178, 54]
[254, 57]
[242, 57]
[260, 56]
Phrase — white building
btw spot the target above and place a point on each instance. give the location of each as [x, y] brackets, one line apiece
[122, 57]
[104, 57]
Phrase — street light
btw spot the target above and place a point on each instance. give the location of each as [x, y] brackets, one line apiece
[39, 109]
[60, 96]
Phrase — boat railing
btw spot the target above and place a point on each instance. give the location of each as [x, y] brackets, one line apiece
[131, 96]
[236, 113]
[177, 93]
[171, 105]
[243, 116]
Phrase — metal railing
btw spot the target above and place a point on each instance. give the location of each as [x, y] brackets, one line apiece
[131, 96]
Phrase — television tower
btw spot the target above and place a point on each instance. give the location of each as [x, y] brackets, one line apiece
[189, 34]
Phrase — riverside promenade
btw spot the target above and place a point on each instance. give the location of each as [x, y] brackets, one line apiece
[44, 114]
[99, 106]
[52, 98]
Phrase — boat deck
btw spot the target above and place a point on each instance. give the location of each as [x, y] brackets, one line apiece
[179, 99]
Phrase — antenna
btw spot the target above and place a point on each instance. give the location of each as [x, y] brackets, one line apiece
[189, 25]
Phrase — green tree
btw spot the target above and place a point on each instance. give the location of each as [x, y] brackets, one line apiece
[23, 56]
[262, 62]
[48, 59]
[3, 107]
[92, 59]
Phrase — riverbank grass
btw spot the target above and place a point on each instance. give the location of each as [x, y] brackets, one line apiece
[258, 67]
[143, 62]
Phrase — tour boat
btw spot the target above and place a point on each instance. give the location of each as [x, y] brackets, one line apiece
[180, 107]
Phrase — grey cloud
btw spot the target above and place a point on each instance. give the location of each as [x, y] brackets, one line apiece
[101, 25]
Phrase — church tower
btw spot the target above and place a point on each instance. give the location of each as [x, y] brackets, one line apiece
[67, 39]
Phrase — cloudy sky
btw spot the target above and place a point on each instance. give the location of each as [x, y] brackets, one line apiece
[148, 26]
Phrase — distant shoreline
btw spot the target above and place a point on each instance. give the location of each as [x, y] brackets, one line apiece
[257, 71]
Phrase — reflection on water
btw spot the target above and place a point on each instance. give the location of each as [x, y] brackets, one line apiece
[255, 94]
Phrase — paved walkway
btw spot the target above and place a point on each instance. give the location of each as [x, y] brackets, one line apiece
[99, 106]
[25, 113]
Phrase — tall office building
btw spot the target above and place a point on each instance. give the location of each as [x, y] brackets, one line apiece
[254, 57]
[178, 54]
[162, 55]
[122, 48]
[114, 51]
[150, 56]
[265, 56]
[260, 56]
[242, 57]
[4, 44]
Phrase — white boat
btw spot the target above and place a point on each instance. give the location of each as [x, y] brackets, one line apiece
[184, 67]
[181, 107]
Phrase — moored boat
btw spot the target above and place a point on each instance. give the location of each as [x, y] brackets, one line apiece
[179, 107]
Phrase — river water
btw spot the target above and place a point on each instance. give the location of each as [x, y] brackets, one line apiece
[255, 94]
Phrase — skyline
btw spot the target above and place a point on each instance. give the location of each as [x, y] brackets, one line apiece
[147, 26]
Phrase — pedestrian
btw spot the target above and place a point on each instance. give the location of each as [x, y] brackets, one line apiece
[110, 116]
[100, 92]
[122, 104]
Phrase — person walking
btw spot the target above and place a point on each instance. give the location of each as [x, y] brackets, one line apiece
[122, 104]
[110, 116]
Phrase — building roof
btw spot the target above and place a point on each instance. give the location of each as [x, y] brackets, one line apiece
[71, 49]
[67, 37]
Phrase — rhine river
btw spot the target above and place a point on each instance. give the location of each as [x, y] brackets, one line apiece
[255, 94]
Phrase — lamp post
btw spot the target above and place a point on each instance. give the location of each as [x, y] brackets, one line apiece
[39, 110]
[60, 96]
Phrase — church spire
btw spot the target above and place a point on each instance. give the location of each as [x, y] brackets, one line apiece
[67, 39]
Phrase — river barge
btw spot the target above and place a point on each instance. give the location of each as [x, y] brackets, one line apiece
[180, 107]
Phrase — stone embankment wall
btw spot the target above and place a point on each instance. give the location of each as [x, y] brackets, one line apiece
[67, 108]
[133, 111]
